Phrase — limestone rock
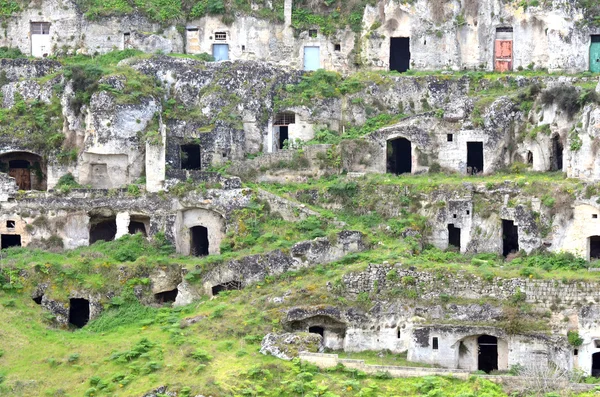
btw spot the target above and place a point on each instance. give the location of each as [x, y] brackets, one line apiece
[287, 346]
[166, 279]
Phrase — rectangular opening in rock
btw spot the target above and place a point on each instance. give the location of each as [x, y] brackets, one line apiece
[190, 157]
[10, 224]
[488, 353]
[474, 158]
[434, 343]
[139, 224]
[594, 248]
[10, 240]
[79, 312]
[102, 228]
[453, 236]
[316, 330]
[198, 241]
[557, 154]
[399, 156]
[510, 237]
[400, 54]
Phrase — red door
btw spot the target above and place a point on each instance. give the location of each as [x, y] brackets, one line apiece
[503, 56]
[22, 177]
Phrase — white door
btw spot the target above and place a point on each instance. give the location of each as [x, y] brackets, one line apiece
[312, 58]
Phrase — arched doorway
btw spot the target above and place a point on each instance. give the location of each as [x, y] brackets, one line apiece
[596, 365]
[27, 169]
[488, 353]
[594, 247]
[399, 156]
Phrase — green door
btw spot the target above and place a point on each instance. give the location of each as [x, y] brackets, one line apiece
[595, 54]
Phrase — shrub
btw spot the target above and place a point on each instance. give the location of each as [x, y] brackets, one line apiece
[574, 338]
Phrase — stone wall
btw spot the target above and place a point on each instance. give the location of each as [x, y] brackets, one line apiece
[462, 284]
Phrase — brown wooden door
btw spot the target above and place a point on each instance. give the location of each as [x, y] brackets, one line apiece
[503, 54]
[22, 176]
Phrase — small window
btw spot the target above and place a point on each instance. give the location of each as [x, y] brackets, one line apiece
[10, 224]
[220, 36]
[435, 343]
[450, 137]
[337, 47]
[454, 216]
[468, 212]
[595, 216]
[597, 343]
[40, 28]
[285, 118]
[398, 332]
[575, 352]
[313, 33]
[243, 47]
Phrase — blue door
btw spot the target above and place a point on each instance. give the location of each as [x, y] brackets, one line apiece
[221, 52]
[312, 58]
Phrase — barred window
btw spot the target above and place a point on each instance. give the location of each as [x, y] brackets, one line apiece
[285, 118]
[40, 28]
[220, 35]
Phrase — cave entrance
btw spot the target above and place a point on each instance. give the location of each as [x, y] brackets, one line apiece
[557, 154]
[79, 312]
[19, 169]
[198, 241]
[38, 299]
[10, 240]
[510, 237]
[166, 296]
[594, 247]
[26, 168]
[474, 158]
[316, 330]
[596, 365]
[139, 224]
[399, 156]
[228, 286]
[453, 236]
[488, 353]
[190, 157]
[400, 54]
[102, 229]
[529, 158]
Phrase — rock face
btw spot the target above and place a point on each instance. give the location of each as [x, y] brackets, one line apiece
[287, 345]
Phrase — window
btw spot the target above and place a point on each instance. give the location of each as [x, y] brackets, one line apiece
[597, 343]
[220, 36]
[312, 33]
[454, 216]
[575, 352]
[337, 47]
[435, 343]
[450, 137]
[10, 224]
[594, 216]
[468, 212]
[243, 48]
[285, 118]
[398, 333]
[40, 28]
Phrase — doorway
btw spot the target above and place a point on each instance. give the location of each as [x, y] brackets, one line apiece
[595, 53]
[400, 54]
[312, 58]
[190, 157]
[399, 156]
[594, 249]
[474, 158]
[488, 353]
[283, 136]
[103, 229]
[79, 312]
[510, 237]
[166, 296]
[453, 236]
[221, 52]
[198, 241]
[19, 169]
[10, 240]
[503, 50]
[557, 154]
[596, 365]
[228, 286]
